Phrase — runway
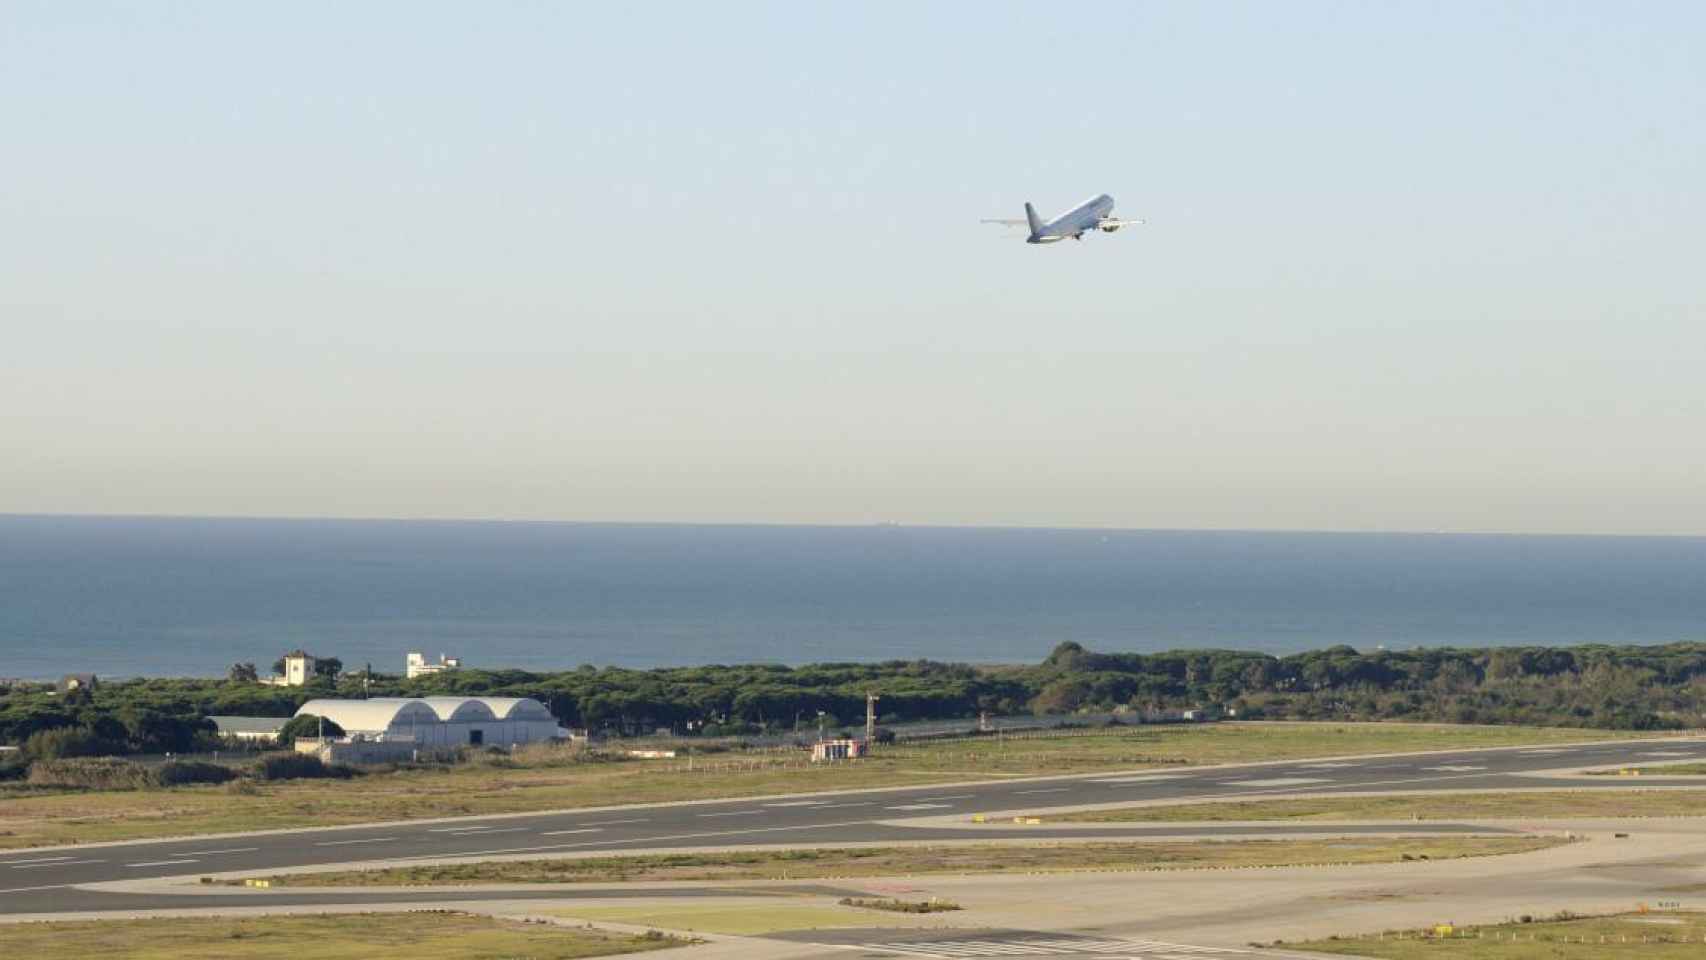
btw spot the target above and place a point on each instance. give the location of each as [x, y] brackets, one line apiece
[49, 880]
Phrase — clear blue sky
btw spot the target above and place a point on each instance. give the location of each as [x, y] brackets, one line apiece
[1408, 266]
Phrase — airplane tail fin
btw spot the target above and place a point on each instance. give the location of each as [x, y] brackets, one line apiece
[1035, 221]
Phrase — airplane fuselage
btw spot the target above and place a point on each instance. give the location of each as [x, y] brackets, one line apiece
[1074, 223]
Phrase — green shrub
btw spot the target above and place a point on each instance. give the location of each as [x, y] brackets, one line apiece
[179, 772]
[91, 773]
[61, 742]
[299, 766]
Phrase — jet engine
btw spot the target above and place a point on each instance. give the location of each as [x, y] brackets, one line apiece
[1110, 228]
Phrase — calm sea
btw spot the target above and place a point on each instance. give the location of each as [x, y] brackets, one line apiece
[125, 597]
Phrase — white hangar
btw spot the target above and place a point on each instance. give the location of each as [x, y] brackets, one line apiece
[441, 721]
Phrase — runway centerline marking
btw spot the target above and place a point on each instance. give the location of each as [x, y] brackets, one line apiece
[558, 833]
[920, 806]
[600, 823]
[957, 796]
[798, 803]
[1148, 778]
[12, 863]
[1049, 790]
[1275, 782]
[482, 831]
[61, 863]
[1455, 768]
[734, 813]
[211, 853]
[159, 863]
[50, 886]
[343, 843]
[862, 803]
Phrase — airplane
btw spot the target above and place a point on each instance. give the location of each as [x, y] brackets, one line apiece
[1089, 216]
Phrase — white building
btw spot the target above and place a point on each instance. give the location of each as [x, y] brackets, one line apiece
[441, 721]
[299, 668]
[419, 666]
[253, 729]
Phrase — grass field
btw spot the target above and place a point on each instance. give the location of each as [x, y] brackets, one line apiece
[1655, 936]
[546, 781]
[1460, 806]
[1669, 770]
[415, 936]
[897, 861]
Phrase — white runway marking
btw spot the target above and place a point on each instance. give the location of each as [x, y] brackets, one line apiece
[558, 833]
[1049, 790]
[799, 803]
[1540, 753]
[862, 803]
[1667, 753]
[210, 853]
[1147, 778]
[602, 823]
[920, 806]
[734, 813]
[344, 843]
[1454, 768]
[957, 796]
[12, 863]
[61, 863]
[483, 831]
[159, 863]
[51, 886]
[1324, 766]
[1274, 782]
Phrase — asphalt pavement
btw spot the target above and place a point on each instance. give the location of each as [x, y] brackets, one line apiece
[48, 880]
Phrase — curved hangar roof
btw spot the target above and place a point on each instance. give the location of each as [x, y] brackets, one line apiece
[379, 713]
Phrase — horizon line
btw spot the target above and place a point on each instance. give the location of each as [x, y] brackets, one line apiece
[842, 525]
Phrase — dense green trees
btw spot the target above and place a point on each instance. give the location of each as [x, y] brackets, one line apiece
[1589, 686]
[307, 725]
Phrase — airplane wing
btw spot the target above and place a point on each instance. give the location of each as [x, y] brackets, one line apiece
[1008, 223]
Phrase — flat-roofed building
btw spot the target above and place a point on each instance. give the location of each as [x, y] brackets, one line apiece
[417, 665]
[253, 729]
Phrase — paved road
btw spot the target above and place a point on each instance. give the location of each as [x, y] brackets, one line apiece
[45, 880]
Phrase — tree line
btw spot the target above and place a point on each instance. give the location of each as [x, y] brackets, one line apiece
[1600, 686]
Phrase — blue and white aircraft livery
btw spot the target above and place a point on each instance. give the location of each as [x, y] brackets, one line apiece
[1087, 217]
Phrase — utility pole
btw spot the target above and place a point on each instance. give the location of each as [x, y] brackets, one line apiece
[870, 719]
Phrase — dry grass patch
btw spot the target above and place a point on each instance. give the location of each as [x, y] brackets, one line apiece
[930, 859]
[1653, 936]
[350, 936]
[1526, 805]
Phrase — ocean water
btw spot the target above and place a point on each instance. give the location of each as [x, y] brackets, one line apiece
[134, 596]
